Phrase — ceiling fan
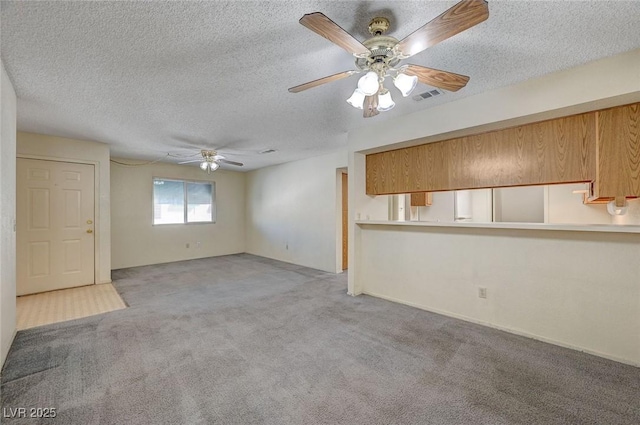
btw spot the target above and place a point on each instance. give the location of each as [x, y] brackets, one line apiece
[379, 56]
[211, 160]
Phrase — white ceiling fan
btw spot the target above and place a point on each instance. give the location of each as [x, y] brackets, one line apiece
[211, 160]
[379, 56]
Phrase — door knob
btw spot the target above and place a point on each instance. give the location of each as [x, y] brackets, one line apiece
[89, 231]
[89, 222]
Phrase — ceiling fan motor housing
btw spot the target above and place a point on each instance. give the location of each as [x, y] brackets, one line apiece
[207, 154]
[380, 55]
[378, 25]
[382, 52]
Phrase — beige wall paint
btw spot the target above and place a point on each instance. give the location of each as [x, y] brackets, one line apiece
[39, 146]
[135, 241]
[7, 214]
[293, 212]
[437, 279]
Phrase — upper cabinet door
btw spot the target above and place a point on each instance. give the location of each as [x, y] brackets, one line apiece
[618, 147]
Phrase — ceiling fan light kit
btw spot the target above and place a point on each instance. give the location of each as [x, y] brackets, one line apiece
[405, 83]
[379, 56]
[368, 84]
[209, 166]
[385, 103]
[357, 99]
[211, 161]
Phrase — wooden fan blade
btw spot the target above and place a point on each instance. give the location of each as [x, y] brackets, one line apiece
[320, 24]
[437, 78]
[226, 161]
[370, 106]
[321, 81]
[193, 160]
[460, 17]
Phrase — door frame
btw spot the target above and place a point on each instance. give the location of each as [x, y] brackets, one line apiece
[96, 203]
[339, 172]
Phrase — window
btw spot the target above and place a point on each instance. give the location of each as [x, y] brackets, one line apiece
[179, 201]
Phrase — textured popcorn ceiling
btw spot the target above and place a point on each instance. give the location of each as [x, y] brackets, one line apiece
[151, 78]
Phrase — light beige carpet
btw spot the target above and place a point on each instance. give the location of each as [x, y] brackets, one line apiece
[66, 304]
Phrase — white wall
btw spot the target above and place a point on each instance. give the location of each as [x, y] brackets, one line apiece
[577, 289]
[601, 84]
[519, 204]
[564, 206]
[441, 208]
[293, 211]
[481, 205]
[632, 217]
[435, 270]
[39, 146]
[554, 204]
[367, 207]
[136, 241]
[7, 214]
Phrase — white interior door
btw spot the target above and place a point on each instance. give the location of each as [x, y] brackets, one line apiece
[55, 225]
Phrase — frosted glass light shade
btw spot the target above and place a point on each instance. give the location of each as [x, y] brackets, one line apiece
[405, 83]
[385, 103]
[368, 84]
[209, 166]
[613, 209]
[357, 99]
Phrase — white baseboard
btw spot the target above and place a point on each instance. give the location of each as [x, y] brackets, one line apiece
[510, 330]
[13, 336]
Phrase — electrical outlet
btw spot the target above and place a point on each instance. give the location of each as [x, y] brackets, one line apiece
[482, 292]
[198, 245]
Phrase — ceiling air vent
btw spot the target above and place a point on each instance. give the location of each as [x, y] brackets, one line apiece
[427, 95]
